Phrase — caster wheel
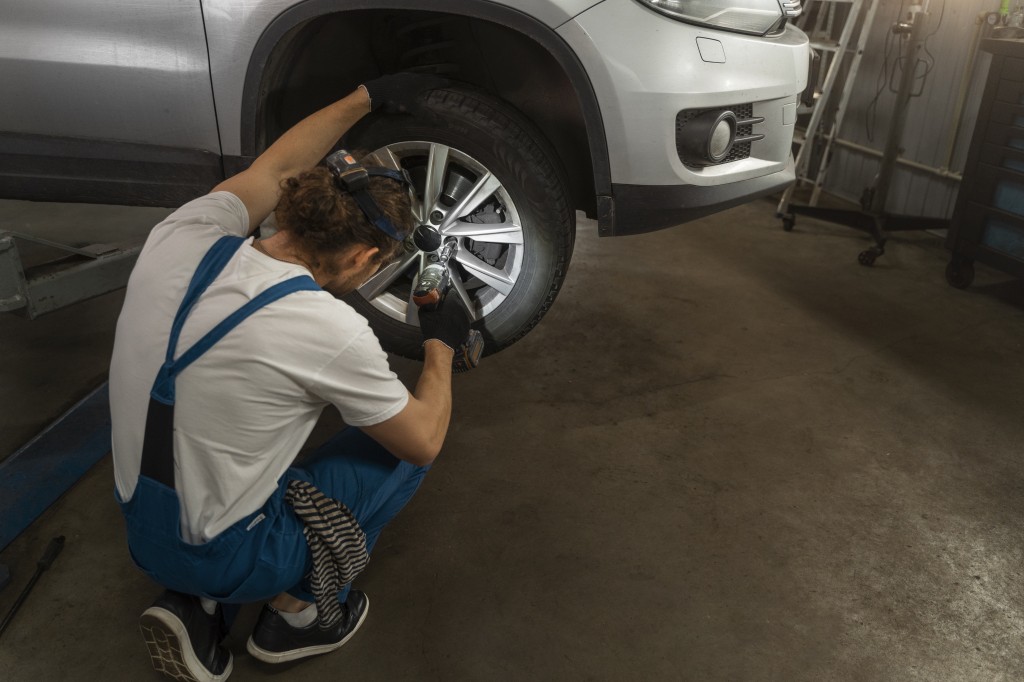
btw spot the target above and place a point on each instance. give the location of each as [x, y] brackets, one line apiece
[788, 222]
[867, 258]
[960, 273]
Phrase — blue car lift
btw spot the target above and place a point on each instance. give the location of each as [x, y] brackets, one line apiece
[47, 466]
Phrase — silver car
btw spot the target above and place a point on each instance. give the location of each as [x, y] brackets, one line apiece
[641, 113]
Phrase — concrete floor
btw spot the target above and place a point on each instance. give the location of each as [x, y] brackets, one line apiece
[728, 453]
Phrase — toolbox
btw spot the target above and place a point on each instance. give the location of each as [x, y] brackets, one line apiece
[988, 220]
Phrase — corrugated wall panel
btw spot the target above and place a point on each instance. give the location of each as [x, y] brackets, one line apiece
[930, 117]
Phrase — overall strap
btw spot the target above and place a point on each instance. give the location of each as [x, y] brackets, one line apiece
[211, 266]
[158, 438]
[163, 388]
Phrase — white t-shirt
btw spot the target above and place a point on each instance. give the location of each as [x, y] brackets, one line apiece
[244, 408]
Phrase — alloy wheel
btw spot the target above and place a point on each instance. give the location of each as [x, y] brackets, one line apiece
[460, 199]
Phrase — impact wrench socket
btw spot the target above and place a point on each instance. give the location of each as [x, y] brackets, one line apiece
[431, 289]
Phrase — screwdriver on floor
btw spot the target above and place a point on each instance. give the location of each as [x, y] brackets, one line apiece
[52, 550]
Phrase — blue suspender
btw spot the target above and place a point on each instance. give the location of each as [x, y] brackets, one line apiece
[158, 445]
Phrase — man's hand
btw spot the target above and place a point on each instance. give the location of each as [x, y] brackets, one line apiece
[417, 433]
[396, 93]
[448, 324]
[297, 150]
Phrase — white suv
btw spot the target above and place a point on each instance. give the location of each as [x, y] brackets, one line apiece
[642, 113]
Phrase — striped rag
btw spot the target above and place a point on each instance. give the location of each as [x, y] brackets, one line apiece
[336, 541]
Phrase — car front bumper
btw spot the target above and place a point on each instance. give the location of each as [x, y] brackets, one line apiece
[634, 209]
[646, 68]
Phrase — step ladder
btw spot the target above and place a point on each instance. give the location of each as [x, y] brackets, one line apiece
[872, 216]
[830, 27]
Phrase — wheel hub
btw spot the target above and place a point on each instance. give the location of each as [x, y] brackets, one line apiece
[427, 238]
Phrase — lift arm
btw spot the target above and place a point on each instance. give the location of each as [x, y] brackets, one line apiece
[85, 273]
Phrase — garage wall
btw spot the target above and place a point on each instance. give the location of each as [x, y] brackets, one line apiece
[930, 119]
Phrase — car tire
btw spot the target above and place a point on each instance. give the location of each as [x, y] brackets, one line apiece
[478, 135]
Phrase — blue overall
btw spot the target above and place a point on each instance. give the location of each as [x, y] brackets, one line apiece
[266, 552]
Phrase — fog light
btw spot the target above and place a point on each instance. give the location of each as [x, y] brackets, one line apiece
[707, 138]
[721, 139]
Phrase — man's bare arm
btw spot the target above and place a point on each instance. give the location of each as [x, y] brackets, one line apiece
[299, 149]
[417, 432]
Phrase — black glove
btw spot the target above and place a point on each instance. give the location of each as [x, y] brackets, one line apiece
[449, 323]
[396, 92]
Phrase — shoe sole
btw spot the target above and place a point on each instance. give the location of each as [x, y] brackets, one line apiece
[295, 654]
[170, 648]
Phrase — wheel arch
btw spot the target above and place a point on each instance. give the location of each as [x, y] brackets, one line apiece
[293, 70]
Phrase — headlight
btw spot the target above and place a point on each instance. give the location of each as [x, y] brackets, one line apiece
[756, 17]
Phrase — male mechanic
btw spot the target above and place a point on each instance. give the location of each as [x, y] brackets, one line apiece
[227, 350]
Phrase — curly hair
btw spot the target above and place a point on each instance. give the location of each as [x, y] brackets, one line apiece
[326, 219]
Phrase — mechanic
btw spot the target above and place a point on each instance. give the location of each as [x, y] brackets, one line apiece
[248, 344]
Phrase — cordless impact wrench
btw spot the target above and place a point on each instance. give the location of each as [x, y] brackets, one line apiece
[432, 286]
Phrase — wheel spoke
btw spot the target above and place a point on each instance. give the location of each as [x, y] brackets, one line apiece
[436, 165]
[487, 273]
[384, 157]
[419, 212]
[412, 311]
[376, 285]
[485, 186]
[460, 289]
[492, 233]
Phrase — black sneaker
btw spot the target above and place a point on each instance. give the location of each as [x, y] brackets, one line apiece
[273, 640]
[184, 641]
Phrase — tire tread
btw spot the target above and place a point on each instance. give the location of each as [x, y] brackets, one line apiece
[474, 107]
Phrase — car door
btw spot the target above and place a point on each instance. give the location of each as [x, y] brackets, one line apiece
[106, 101]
